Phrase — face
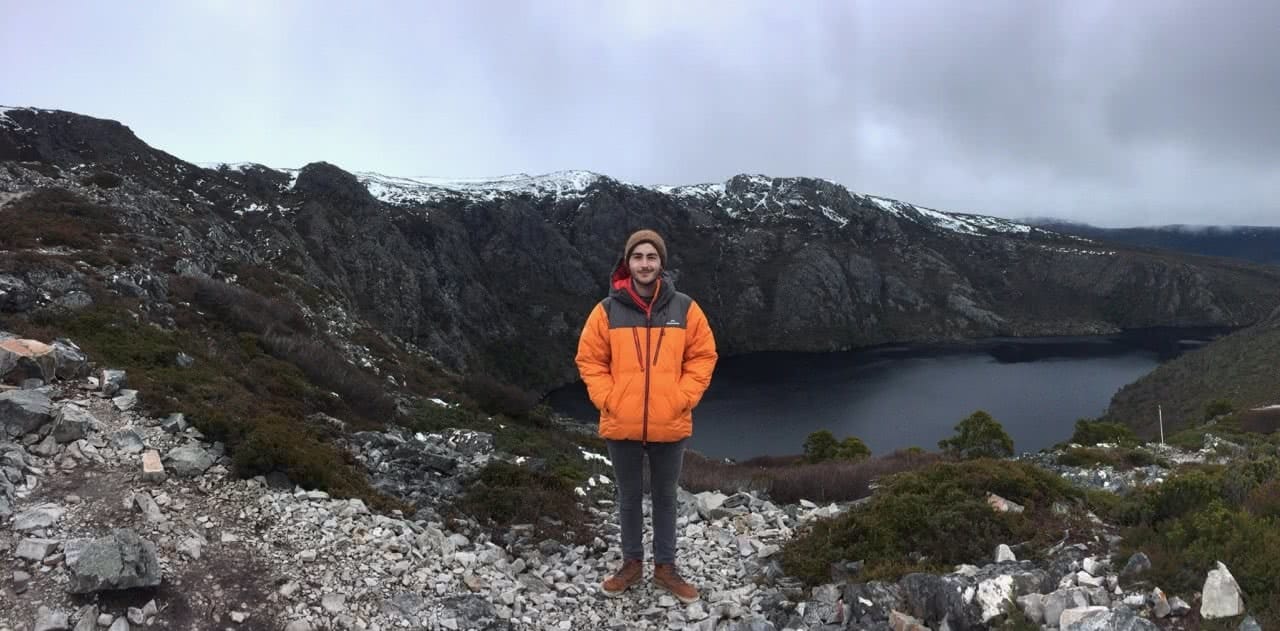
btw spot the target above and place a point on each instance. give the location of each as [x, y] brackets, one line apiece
[645, 264]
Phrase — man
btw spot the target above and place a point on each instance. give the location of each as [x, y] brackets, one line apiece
[646, 355]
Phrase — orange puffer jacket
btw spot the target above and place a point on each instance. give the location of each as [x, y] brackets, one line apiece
[646, 366]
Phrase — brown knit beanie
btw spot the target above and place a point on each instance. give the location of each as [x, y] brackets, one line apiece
[646, 236]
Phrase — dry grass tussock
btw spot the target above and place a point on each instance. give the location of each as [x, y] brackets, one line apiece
[788, 479]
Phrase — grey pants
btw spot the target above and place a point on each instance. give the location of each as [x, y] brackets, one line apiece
[665, 460]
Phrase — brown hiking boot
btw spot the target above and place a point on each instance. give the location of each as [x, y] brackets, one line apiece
[666, 577]
[629, 574]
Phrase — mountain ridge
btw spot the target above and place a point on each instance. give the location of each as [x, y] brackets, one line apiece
[778, 263]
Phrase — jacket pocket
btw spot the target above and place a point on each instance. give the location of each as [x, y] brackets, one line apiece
[615, 396]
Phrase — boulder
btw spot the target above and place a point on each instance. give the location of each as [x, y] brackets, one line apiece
[71, 362]
[1221, 595]
[188, 461]
[112, 381]
[72, 422]
[22, 359]
[23, 411]
[121, 560]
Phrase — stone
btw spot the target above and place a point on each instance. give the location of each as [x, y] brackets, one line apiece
[72, 422]
[125, 400]
[1220, 597]
[26, 359]
[50, 620]
[35, 550]
[1160, 604]
[23, 412]
[1002, 505]
[899, 621]
[121, 624]
[42, 516]
[175, 423]
[188, 461]
[128, 440]
[1138, 563]
[1249, 624]
[112, 381]
[71, 362]
[152, 467]
[1075, 615]
[333, 603]
[1004, 554]
[120, 560]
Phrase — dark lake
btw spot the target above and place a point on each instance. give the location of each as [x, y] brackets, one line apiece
[902, 396]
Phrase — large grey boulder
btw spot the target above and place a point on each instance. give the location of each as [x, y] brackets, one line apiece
[23, 411]
[121, 560]
[1221, 595]
[188, 461]
[941, 599]
[72, 422]
[1103, 619]
[71, 362]
[26, 359]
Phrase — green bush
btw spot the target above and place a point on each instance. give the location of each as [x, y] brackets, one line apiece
[939, 513]
[820, 446]
[852, 448]
[978, 436]
[1216, 408]
[56, 217]
[504, 495]
[1090, 432]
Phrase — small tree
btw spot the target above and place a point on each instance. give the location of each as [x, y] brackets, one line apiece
[978, 436]
[1091, 432]
[819, 446]
[1216, 408]
[852, 448]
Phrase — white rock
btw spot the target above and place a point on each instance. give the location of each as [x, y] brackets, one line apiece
[1004, 553]
[1076, 614]
[1221, 594]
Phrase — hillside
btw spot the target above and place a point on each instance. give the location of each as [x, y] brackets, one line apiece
[1256, 244]
[1239, 368]
[494, 277]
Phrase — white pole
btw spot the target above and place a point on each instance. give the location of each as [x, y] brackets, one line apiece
[1160, 410]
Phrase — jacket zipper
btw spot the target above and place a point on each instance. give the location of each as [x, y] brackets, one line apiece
[657, 352]
[648, 337]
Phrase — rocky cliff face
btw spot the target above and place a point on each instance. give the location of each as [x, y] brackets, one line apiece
[497, 276]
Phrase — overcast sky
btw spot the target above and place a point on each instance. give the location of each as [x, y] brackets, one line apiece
[1125, 112]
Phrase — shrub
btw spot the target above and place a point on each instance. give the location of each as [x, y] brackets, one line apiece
[791, 479]
[55, 217]
[819, 446]
[1216, 408]
[1264, 500]
[505, 494]
[852, 448]
[939, 513]
[978, 436]
[241, 308]
[497, 398]
[234, 393]
[325, 366]
[102, 179]
[1089, 432]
